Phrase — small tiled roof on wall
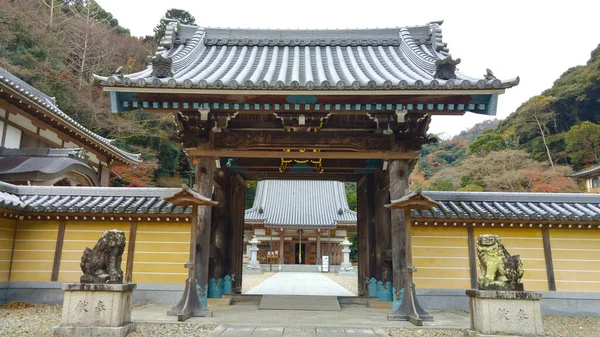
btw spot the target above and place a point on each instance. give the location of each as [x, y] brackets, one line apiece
[300, 204]
[49, 104]
[352, 59]
[43, 200]
[512, 206]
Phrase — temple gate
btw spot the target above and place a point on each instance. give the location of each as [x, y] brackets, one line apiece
[346, 105]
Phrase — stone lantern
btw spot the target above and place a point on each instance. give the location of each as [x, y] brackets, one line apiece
[346, 267]
[253, 264]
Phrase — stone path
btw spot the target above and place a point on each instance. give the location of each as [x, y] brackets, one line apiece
[280, 331]
[291, 283]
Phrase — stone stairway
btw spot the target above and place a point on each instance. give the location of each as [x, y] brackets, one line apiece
[300, 268]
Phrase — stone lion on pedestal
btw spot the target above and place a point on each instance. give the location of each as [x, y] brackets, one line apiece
[499, 270]
[103, 263]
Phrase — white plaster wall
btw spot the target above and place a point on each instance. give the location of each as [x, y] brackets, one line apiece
[50, 136]
[13, 138]
[23, 122]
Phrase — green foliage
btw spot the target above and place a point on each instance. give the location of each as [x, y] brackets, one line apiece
[250, 193]
[582, 143]
[487, 142]
[471, 188]
[73, 7]
[351, 195]
[181, 15]
[354, 248]
[442, 185]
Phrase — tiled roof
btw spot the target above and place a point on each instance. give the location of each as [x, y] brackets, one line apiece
[49, 103]
[101, 200]
[300, 203]
[588, 172]
[512, 206]
[390, 58]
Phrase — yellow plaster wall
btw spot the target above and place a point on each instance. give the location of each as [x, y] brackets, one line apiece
[441, 255]
[82, 234]
[34, 251]
[161, 250]
[7, 234]
[528, 243]
[576, 259]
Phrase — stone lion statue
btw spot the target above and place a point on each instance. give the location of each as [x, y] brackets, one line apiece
[499, 270]
[103, 263]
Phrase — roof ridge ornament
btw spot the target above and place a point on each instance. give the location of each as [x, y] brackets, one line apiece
[171, 29]
[161, 66]
[445, 69]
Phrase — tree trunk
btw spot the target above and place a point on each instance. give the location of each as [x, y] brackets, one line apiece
[544, 140]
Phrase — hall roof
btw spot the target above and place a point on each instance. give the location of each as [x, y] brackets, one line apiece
[411, 58]
[52, 112]
[300, 204]
[512, 206]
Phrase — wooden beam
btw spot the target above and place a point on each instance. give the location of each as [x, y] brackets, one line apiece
[278, 140]
[548, 259]
[60, 237]
[384, 155]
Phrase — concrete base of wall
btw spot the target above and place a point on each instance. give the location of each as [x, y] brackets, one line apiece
[553, 303]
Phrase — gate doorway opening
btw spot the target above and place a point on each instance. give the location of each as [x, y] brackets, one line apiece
[300, 256]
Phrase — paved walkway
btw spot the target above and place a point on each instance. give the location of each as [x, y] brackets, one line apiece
[261, 331]
[290, 283]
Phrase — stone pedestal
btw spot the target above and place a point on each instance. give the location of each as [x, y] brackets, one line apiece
[504, 313]
[91, 309]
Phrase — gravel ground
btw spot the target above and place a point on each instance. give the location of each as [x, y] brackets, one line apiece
[252, 280]
[172, 330]
[423, 332]
[348, 282]
[37, 320]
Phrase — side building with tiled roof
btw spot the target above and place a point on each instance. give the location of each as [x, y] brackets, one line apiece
[299, 221]
[42, 145]
[591, 178]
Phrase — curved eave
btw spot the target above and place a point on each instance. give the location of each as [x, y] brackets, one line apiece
[330, 92]
[35, 102]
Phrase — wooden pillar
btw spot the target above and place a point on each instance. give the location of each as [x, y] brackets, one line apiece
[281, 249]
[236, 198]
[130, 251]
[383, 246]
[318, 256]
[548, 259]
[405, 304]
[362, 207]
[60, 237]
[205, 172]
[190, 303]
[472, 257]
[219, 230]
[104, 177]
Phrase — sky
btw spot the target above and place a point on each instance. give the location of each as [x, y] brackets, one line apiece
[533, 39]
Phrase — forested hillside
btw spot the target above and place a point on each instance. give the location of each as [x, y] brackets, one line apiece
[56, 44]
[534, 149]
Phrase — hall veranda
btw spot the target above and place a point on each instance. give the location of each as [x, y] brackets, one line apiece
[350, 105]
